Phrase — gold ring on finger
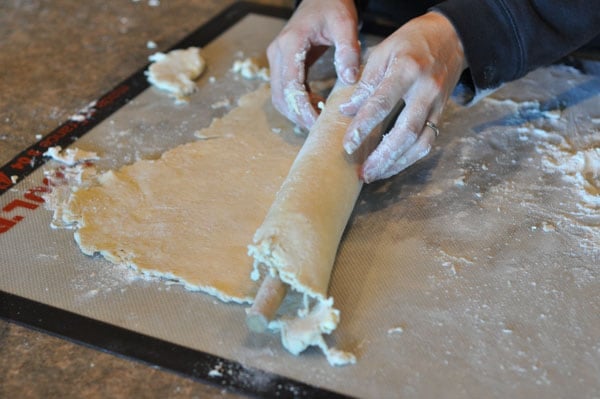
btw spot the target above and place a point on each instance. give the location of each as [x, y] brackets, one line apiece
[433, 127]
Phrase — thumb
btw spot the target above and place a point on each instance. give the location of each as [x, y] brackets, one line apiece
[347, 53]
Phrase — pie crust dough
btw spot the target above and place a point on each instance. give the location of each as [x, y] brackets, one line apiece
[189, 215]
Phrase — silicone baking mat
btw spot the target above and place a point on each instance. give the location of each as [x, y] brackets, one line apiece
[474, 273]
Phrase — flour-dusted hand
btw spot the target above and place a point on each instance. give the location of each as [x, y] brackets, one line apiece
[418, 64]
[315, 26]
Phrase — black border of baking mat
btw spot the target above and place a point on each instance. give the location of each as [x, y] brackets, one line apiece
[120, 341]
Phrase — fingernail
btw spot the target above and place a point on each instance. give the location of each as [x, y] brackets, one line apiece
[353, 142]
[349, 148]
[367, 175]
[348, 108]
[350, 75]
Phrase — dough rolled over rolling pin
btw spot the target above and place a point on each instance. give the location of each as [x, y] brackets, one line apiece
[298, 241]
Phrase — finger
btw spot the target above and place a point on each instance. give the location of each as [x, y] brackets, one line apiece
[414, 153]
[388, 94]
[376, 62]
[347, 57]
[298, 105]
[406, 131]
[289, 93]
[388, 152]
[275, 70]
[372, 75]
[424, 100]
[344, 36]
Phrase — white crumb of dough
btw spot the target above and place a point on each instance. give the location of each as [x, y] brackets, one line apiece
[459, 181]
[175, 72]
[395, 330]
[217, 371]
[84, 113]
[77, 118]
[321, 105]
[151, 44]
[70, 156]
[225, 103]
[14, 179]
[250, 69]
[297, 334]
[548, 227]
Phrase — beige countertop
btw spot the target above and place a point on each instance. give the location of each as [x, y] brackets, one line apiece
[57, 56]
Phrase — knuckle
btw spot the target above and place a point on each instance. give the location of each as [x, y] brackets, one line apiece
[415, 65]
[433, 83]
[408, 65]
[365, 86]
[412, 137]
[290, 39]
[412, 130]
[380, 104]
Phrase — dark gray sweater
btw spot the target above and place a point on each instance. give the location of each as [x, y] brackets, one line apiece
[505, 39]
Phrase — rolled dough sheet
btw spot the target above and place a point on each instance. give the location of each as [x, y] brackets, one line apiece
[299, 239]
[189, 215]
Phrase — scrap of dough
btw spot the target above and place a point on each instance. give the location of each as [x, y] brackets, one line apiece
[306, 330]
[62, 180]
[298, 240]
[249, 69]
[70, 156]
[176, 71]
[188, 215]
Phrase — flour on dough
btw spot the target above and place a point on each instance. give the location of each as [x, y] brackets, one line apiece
[176, 71]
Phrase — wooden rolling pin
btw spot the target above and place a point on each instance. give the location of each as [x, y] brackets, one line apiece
[266, 303]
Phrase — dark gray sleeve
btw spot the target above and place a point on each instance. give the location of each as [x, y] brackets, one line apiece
[505, 39]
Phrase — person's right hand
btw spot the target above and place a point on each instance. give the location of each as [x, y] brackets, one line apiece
[418, 66]
[316, 25]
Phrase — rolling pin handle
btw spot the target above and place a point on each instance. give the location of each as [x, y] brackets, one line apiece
[267, 302]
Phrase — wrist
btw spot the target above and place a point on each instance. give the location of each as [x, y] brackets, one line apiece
[449, 32]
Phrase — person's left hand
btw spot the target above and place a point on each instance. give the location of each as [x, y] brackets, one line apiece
[315, 26]
[419, 64]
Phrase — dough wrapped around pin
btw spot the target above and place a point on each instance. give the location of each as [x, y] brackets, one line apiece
[298, 241]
